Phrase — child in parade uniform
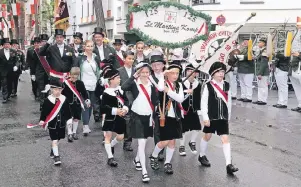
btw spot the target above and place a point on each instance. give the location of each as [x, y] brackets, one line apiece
[171, 128]
[192, 108]
[113, 105]
[142, 114]
[215, 109]
[75, 91]
[55, 114]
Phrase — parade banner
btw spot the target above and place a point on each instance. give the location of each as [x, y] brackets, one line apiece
[168, 24]
[202, 49]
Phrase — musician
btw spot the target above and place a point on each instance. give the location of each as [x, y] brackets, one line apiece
[245, 70]
[295, 66]
[281, 76]
[59, 55]
[7, 67]
[119, 53]
[262, 73]
[77, 45]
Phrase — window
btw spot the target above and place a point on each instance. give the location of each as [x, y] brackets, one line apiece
[251, 1]
[110, 34]
[119, 12]
[203, 2]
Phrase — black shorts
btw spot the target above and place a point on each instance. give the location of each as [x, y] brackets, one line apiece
[76, 111]
[117, 125]
[57, 134]
[221, 127]
[191, 122]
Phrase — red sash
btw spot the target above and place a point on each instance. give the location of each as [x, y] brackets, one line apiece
[147, 97]
[43, 61]
[121, 62]
[224, 94]
[57, 107]
[120, 100]
[59, 74]
[179, 104]
[75, 92]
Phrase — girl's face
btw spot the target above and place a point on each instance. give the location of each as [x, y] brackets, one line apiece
[219, 76]
[89, 47]
[56, 92]
[140, 48]
[145, 72]
[129, 60]
[115, 82]
[188, 72]
[173, 75]
[157, 67]
[74, 76]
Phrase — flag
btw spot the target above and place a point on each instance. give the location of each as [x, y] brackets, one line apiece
[12, 23]
[16, 8]
[30, 7]
[3, 9]
[33, 22]
[62, 16]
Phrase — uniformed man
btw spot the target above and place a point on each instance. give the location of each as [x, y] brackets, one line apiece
[20, 65]
[295, 66]
[59, 55]
[119, 53]
[77, 45]
[262, 73]
[28, 66]
[7, 67]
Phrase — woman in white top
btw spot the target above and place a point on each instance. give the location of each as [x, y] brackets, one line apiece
[89, 65]
[142, 113]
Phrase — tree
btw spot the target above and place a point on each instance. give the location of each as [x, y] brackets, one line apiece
[47, 10]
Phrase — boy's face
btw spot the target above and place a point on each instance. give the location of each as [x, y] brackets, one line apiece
[129, 60]
[157, 67]
[261, 44]
[115, 81]
[188, 72]
[56, 92]
[74, 76]
[173, 75]
[117, 47]
[219, 76]
[144, 73]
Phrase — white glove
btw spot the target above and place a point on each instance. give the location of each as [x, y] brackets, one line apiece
[51, 39]
[240, 57]
[15, 68]
[27, 71]
[88, 102]
[23, 71]
[33, 78]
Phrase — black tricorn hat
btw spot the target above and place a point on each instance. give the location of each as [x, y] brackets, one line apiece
[117, 41]
[98, 30]
[14, 41]
[217, 66]
[5, 40]
[55, 82]
[175, 64]
[59, 32]
[36, 39]
[157, 58]
[142, 64]
[189, 67]
[44, 37]
[78, 35]
[111, 74]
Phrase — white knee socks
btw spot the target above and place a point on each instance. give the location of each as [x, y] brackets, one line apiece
[169, 154]
[114, 142]
[182, 140]
[141, 152]
[227, 153]
[194, 135]
[156, 151]
[203, 147]
[109, 150]
[55, 148]
[69, 127]
[75, 125]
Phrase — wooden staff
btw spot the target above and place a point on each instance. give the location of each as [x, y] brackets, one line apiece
[162, 112]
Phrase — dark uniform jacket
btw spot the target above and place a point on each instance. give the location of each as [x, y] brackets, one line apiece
[33, 61]
[262, 64]
[109, 54]
[192, 101]
[6, 66]
[20, 61]
[246, 66]
[282, 62]
[71, 97]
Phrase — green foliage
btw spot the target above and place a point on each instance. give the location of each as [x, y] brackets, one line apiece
[171, 45]
[47, 10]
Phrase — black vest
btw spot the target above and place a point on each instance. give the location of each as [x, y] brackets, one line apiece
[193, 102]
[217, 108]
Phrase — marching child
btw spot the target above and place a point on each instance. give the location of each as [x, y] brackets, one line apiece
[170, 117]
[113, 105]
[142, 112]
[192, 107]
[55, 115]
[215, 109]
[76, 94]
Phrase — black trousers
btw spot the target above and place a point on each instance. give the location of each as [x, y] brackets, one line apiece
[41, 81]
[34, 88]
[15, 82]
[6, 85]
[127, 135]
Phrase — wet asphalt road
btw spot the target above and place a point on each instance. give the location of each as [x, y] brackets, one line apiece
[265, 147]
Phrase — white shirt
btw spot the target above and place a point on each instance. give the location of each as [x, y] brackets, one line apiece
[88, 75]
[61, 48]
[128, 71]
[205, 97]
[140, 58]
[179, 97]
[141, 105]
[6, 53]
[119, 53]
[158, 76]
[101, 53]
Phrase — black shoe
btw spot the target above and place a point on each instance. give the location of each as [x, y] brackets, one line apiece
[234, 98]
[70, 138]
[296, 109]
[13, 95]
[256, 102]
[127, 147]
[75, 137]
[168, 168]
[57, 160]
[137, 165]
[113, 150]
[204, 161]
[192, 147]
[103, 140]
[231, 169]
[247, 100]
[241, 99]
[145, 178]
[97, 118]
[112, 162]
[261, 103]
[280, 106]
[154, 163]
[4, 101]
[51, 154]
[161, 156]
[182, 150]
